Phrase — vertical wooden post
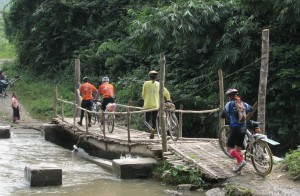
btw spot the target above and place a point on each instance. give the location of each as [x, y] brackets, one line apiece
[221, 92]
[77, 85]
[62, 109]
[86, 120]
[128, 121]
[74, 114]
[262, 91]
[103, 122]
[55, 102]
[162, 63]
[180, 121]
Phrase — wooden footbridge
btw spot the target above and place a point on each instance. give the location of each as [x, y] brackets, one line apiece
[186, 153]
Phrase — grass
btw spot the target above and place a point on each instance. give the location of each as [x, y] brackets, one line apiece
[37, 95]
[292, 161]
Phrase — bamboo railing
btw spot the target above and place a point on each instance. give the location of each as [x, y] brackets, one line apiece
[128, 113]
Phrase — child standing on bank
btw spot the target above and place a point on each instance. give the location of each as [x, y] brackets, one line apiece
[15, 107]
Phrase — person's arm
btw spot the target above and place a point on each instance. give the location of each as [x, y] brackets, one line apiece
[248, 107]
[225, 110]
[167, 94]
[143, 91]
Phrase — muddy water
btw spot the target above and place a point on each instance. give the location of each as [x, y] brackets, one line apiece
[80, 177]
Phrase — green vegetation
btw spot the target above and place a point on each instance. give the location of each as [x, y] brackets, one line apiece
[122, 39]
[292, 161]
[232, 190]
[164, 172]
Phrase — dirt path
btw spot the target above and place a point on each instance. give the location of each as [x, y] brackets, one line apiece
[6, 115]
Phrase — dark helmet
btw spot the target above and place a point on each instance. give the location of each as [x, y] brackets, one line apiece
[152, 73]
[231, 92]
[85, 79]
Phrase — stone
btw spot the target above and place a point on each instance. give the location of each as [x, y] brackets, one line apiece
[43, 175]
[133, 168]
[5, 132]
[187, 187]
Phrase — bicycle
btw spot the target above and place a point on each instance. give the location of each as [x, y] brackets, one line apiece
[13, 81]
[96, 112]
[171, 122]
[256, 147]
[109, 118]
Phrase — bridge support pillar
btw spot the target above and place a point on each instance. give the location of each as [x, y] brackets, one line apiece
[38, 175]
[4, 131]
[133, 168]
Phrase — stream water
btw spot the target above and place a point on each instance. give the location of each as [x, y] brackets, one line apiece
[79, 177]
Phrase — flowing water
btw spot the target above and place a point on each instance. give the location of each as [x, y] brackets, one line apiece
[80, 177]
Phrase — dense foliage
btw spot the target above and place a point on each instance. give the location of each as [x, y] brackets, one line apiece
[123, 39]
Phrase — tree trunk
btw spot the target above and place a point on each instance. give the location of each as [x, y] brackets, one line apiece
[261, 112]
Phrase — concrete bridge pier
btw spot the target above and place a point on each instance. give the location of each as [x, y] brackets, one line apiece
[133, 168]
[43, 175]
[5, 132]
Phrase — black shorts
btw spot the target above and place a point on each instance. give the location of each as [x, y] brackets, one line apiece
[236, 137]
[107, 101]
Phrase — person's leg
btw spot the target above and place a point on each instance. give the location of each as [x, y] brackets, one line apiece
[81, 113]
[154, 116]
[89, 108]
[231, 144]
[147, 119]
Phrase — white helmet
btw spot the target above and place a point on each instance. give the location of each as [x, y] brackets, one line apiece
[105, 79]
[231, 92]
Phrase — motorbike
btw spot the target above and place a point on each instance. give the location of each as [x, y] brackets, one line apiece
[3, 86]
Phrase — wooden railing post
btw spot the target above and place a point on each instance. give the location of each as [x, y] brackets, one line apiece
[162, 62]
[86, 120]
[221, 93]
[74, 114]
[103, 122]
[55, 102]
[180, 121]
[128, 121]
[62, 109]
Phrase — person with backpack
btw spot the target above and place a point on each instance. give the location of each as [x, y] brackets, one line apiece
[150, 94]
[236, 110]
[86, 90]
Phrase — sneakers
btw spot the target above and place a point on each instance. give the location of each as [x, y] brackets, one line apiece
[240, 166]
[79, 123]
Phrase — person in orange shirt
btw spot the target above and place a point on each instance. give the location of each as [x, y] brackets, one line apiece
[15, 107]
[108, 92]
[86, 91]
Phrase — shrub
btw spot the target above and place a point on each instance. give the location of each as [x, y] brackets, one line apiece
[292, 162]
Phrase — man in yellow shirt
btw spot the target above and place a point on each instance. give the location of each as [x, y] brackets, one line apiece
[150, 94]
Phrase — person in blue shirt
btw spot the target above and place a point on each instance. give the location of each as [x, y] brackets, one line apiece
[238, 126]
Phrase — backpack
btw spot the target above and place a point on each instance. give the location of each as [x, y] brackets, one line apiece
[239, 112]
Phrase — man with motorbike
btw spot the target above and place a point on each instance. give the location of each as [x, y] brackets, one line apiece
[3, 83]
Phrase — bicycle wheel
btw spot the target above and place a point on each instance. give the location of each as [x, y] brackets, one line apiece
[110, 122]
[223, 135]
[173, 126]
[95, 118]
[261, 157]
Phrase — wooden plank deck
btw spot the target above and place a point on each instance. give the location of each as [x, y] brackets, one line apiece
[203, 153]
